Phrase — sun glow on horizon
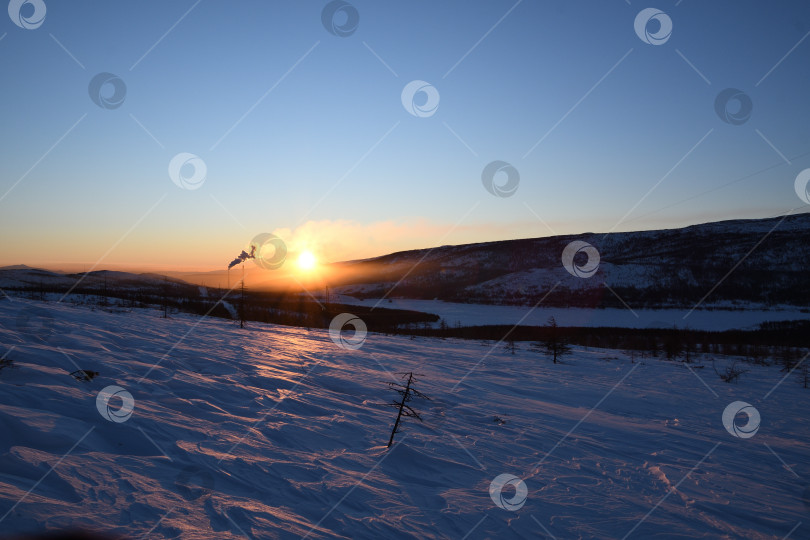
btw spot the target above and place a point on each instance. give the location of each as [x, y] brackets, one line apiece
[307, 261]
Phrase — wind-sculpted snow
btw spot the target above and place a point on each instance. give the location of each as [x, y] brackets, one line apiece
[276, 432]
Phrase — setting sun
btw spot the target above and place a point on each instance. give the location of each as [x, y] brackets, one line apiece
[306, 261]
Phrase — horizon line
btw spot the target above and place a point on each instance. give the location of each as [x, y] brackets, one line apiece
[77, 267]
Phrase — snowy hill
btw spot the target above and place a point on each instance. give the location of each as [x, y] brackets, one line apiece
[654, 269]
[22, 276]
[277, 432]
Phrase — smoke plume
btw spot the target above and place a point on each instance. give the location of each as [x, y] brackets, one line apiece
[242, 257]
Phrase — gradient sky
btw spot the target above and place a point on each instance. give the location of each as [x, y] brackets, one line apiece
[304, 133]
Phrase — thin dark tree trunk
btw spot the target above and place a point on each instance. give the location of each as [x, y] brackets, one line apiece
[242, 304]
[401, 405]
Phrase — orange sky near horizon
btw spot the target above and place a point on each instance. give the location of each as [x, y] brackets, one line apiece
[146, 249]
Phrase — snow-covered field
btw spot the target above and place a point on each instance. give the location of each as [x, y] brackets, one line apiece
[277, 432]
[716, 319]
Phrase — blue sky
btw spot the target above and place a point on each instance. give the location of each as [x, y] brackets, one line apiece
[303, 133]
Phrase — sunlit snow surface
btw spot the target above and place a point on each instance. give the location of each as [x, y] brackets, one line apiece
[276, 432]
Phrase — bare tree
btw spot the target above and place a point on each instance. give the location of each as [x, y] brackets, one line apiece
[787, 358]
[730, 373]
[242, 304]
[554, 343]
[407, 392]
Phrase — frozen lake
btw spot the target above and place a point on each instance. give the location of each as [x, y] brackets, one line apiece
[478, 314]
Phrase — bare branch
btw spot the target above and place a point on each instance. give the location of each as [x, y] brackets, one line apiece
[408, 393]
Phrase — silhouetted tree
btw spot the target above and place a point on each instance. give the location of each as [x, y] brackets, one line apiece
[407, 392]
[787, 358]
[553, 343]
[242, 305]
[730, 373]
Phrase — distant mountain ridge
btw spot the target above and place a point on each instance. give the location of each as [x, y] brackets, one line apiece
[22, 276]
[658, 268]
[736, 263]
